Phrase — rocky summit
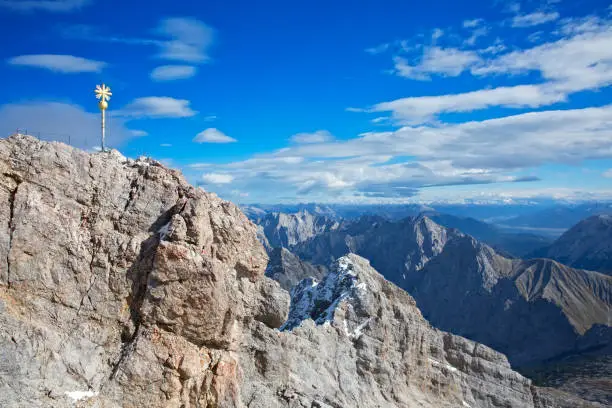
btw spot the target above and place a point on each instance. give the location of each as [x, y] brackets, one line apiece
[123, 286]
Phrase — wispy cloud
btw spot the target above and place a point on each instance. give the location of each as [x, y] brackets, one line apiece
[436, 60]
[578, 61]
[188, 40]
[379, 49]
[395, 164]
[139, 133]
[534, 19]
[213, 135]
[472, 23]
[179, 39]
[436, 34]
[65, 64]
[320, 136]
[173, 72]
[157, 107]
[425, 108]
[58, 6]
[198, 166]
[607, 173]
[217, 178]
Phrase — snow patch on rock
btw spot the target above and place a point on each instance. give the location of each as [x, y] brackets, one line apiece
[318, 300]
[79, 395]
[438, 364]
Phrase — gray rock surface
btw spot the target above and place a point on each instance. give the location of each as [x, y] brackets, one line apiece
[286, 230]
[465, 287]
[288, 270]
[121, 282]
[587, 245]
[123, 286]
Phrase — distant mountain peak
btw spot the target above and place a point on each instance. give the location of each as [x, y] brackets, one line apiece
[587, 245]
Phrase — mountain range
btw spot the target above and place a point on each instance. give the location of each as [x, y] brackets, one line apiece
[121, 285]
[587, 245]
[514, 244]
[465, 286]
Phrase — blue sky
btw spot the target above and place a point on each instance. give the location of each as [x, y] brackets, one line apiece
[340, 101]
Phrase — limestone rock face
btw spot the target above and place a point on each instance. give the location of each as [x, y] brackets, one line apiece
[288, 270]
[287, 230]
[123, 286]
[120, 281]
[356, 340]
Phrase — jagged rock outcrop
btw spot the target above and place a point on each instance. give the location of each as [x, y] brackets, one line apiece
[396, 249]
[587, 245]
[288, 269]
[122, 282]
[123, 286]
[466, 287]
[287, 230]
[396, 348]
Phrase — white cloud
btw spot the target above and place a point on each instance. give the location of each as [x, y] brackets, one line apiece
[189, 39]
[579, 25]
[59, 6]
[62, 122]
[502, 194]
[319, 136]
[178, 39]
[476, 34]
[472, 23]
[379, 49]
[217, 178]
[534, 19]
[213, 135]
[607, 173]
[240, 194]
[158, 107]
[436, 34]
[569, 65]
[436, 60]
[165, 145]
[139, 133]
[493, 49]
[198, 166]
[582, 60]
[65, 64]
[173, 72]
[424, 108]
[399, 163]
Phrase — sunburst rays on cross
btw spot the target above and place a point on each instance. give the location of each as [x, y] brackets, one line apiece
[103, 92]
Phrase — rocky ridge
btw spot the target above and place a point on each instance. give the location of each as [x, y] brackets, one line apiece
[287, 230]
[466, 287]
[122, 285]
[288, 270]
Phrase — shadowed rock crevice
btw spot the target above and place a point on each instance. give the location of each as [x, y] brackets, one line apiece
[11, 224]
